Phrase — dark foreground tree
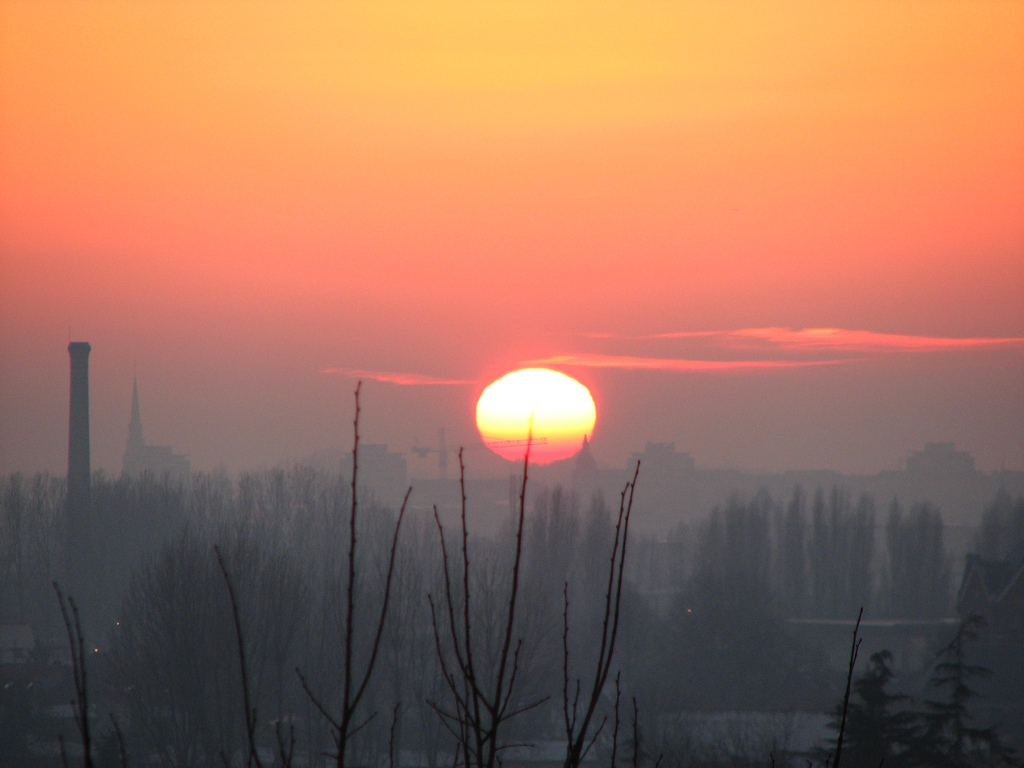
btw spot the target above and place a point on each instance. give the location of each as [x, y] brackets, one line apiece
[878, 731]
[480, 676]
[951, 736]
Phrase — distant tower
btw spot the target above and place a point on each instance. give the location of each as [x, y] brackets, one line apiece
[136, 443]
[79, 493]
[584, 468]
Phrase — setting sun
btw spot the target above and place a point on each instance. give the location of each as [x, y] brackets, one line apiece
[549, 409]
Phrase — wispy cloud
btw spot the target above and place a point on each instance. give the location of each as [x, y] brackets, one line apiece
[867, 341]
[833, 339]
[671, 335]
[395, 377]
[627, 362]
[835, 345]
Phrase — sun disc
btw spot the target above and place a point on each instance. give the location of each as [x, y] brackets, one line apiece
[551, 411]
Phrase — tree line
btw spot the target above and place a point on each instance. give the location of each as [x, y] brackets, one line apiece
[459, 647]
[827, 557]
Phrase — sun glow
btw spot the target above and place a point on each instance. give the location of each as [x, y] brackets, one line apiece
[550, 410]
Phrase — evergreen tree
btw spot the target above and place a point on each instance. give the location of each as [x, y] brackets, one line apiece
[878, 731]
[950, 739]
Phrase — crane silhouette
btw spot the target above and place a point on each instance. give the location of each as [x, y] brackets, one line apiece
[442, 450]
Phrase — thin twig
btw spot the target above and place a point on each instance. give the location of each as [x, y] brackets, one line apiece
[391, 737]
[76, 642]
[636, 735]
[385, 602]
[350, 591]
[286, 750]
[570, 719]
[119, 735]
[593, 739]
[316, 701]
[615, 727]
[362, 725]
[854, 650]
[250, 712]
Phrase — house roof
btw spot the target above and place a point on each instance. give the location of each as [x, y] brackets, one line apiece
[997, 576]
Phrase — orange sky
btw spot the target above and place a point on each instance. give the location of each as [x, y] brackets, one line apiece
[239, 196]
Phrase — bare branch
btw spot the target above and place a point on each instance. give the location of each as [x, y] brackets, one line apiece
[317, 702]
[250, 712]
[350, 590]
[76, 642]
[285, 749]
[615, 726]
[509, 626]
[593, 739]
[463, 664]
[362, 725]
[391, 737]
[570, 720]
[354, 686]
[854, 650]
[119, 735]
[384, 606]
[609, 628]
[636, 735]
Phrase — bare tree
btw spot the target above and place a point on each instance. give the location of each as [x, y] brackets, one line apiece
[579, 721]
[483, 689]
[343, 720]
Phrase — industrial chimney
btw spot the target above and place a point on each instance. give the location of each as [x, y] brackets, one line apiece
[79, 494]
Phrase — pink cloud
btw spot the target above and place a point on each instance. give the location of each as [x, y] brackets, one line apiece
[828, 339]
[627, 362]
[671, 335]
[393, 377]
[866, 341]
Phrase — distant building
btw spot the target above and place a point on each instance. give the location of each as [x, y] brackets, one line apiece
[663, 463]
[382, 474]
[156, 460]
[666, 477]
[940, 460]
[994, 590]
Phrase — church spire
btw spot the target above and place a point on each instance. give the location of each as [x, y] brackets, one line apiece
[584, 468]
